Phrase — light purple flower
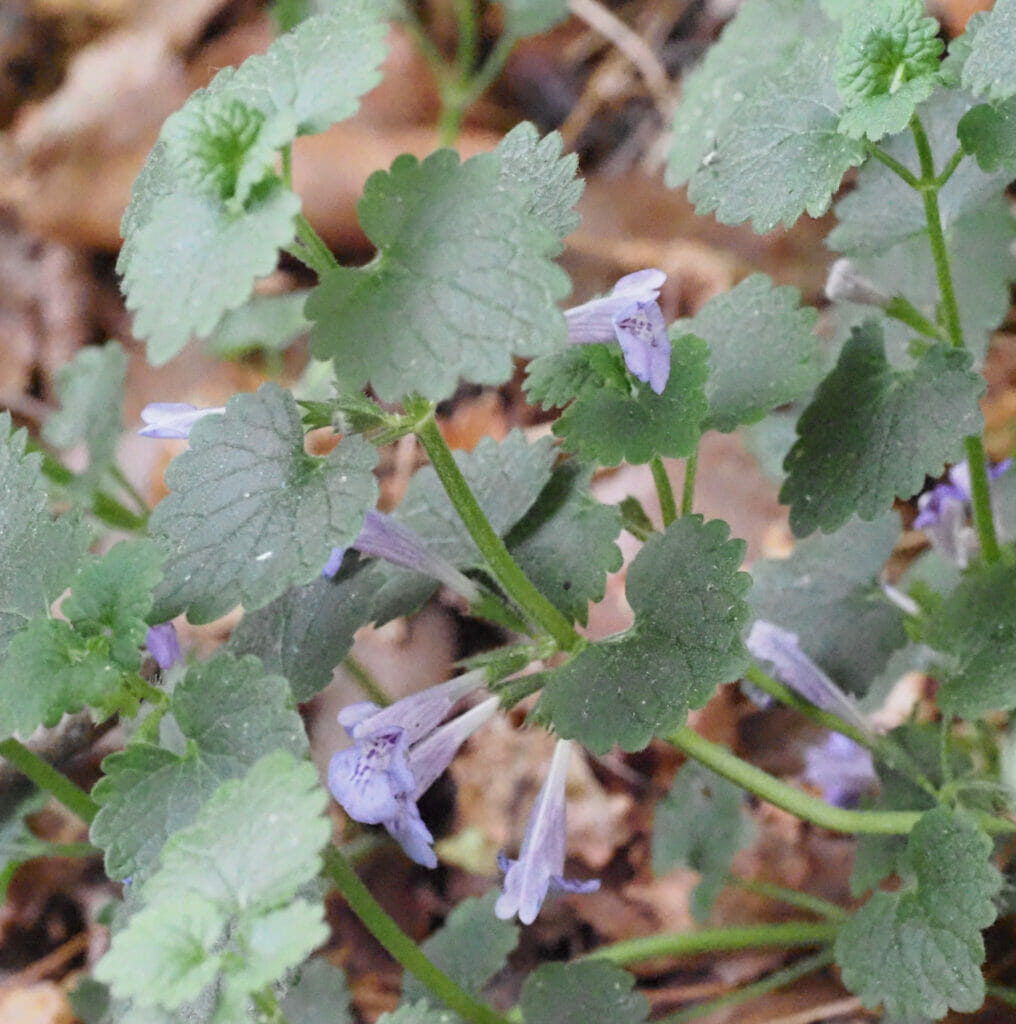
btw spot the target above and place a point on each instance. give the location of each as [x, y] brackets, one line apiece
[846, 283]
[163, 645]
[631, 315]
[540, 865]
[943, 513]
[841, 768]
[173, 419]
[397, 754]
[382, 537]
[792, 666]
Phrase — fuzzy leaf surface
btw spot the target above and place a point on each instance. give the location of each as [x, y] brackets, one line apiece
[231, 712]
[614, 419]
[250, 512]
[990, 65]
[582, 993]
[565, 544]
[461, 283]
[761, 350]
[872, 433]
[919, 951]
[988, 131]
[827, 592]
[320, 984]
[689, 602]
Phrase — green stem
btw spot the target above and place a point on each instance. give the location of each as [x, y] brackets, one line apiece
[720, 760]
[1002, 993]
[688, 491]
[49, 779]
[500, 562]
[364, 678]
[68, 850]
[947, 171]
[401, 946]
[945, 761]
[793, 898]
[711, 940]
[776, 980]
[668, 506]
[468, 43]
[269, 1011]
[311, 249]
[980, 499]
[902, 309]
[894, 165]
[121, 478]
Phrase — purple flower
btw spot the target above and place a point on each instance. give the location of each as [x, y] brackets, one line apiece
[163, 645]
[397, 754]
[943, 513]
[540, 865]
[173, 419]
[841, 768]
[382, 537]
[846, 283]
[768, 642]
[630, 314]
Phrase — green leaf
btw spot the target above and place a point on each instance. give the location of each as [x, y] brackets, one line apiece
[975, 630]
[688, 597]
[461, 282]
[250, 512]
[700, 824]
[265, 323]
[887, 63]
[231, 712]
[195, 260]
[17, 842]
[746, 383]
[990, 65]
[779, 154]
[873, 433]
[531, 17]
[536, 166]
[565, 544]
[38, 554]
[988, 132]
[320, 985]
[614, 418]
[883, 210]
[90, 388]
[735, 68]
[919, 950]
[471, 947]
[222, 901]
[589, 992]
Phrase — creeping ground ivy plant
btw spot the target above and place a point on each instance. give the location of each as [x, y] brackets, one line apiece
[212, 815]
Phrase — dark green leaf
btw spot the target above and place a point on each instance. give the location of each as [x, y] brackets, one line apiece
[582, 993]
[873, 433]
[988, 132]
[688, 597]
[461, 282]
[250, 512]
[320, 991]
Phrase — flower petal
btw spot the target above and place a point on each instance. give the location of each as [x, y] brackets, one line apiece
[642, 333]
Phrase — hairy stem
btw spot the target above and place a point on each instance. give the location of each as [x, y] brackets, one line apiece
[401, 946]
[688, 491]
[49, 779]
[793, 898]
[506, 570]
[310, 248]
[364, 678]
[668, 506]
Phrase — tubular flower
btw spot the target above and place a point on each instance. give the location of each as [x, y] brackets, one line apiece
[841, 768]
[631, 315]
[846, 283]
[163, 645]
[173, 419]
[540, 865]
[397, 754]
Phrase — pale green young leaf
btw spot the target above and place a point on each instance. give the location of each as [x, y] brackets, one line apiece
[231, 712]
[974, 632]
[990, 66]
[90, 389]
[613, 418]
[700, 824]
[827, 592]
[266, 323]
[470, 947]
[873, 433]
[250, 513]
[883, 210]
[761, 350]
[689, 602]
[319, 984]
[195, 260]
[589, 992]
[565, 544]
[988, 132]
[536, 166]
[531, 17]
[780, 153]
[462, 282]
[919, 950]
[38, 554]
